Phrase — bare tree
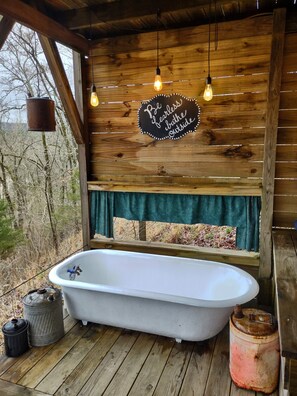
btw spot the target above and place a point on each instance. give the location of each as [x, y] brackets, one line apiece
[38, 171]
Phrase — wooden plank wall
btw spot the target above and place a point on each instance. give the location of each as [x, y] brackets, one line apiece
[285, 201]
[225, 154]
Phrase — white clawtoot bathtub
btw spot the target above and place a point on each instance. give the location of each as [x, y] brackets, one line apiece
[186, 299]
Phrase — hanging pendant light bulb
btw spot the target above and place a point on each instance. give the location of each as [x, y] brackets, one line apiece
[158, 81]
[208, 94]
[94, 100]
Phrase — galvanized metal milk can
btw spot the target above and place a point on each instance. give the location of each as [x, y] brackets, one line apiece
[43, 310]
[254, 350]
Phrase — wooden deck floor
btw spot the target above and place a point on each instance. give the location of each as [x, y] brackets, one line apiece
[98, 360]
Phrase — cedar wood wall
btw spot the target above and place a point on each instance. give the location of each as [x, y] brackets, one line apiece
[225, 154]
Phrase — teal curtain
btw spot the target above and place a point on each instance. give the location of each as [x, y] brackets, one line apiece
[240, 212]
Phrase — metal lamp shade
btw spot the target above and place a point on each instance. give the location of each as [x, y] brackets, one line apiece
[41, 114]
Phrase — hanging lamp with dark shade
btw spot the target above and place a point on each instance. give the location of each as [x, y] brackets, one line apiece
[158, 81]
[40, 114]
[208, 93]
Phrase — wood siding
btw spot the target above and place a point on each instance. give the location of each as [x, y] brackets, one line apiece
[285, 200]
[228, 144]
[225, 154]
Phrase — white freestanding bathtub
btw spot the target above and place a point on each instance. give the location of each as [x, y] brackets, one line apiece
[186, 299]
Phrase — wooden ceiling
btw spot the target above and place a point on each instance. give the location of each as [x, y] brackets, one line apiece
[75, 22]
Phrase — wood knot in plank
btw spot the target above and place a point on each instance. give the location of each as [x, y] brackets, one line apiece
[209, 136]
[115, 60]
[161, 170]
[153, 143]
[127, 113]
[200, 50]
[238, 152]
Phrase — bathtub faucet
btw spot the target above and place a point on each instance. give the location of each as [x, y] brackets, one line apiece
[75, 270]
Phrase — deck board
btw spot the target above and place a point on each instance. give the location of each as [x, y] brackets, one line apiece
[36, 374]
[76, 380]
[175, 369]
[196, 376]
[127, 373]
[99, 360]
[52, 382]
[151, 371]
[9, 389]
[235, 391]
[25, 362]
[106, 370]
[219, 377]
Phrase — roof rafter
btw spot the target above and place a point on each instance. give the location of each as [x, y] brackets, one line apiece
[6, 25]
[41, 23]
[56, 66]
[120, 11]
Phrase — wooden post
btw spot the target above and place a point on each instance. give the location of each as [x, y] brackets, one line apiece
[83, 154]
[273, 98]
[142, 230]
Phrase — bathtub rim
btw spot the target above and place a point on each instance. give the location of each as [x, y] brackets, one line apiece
[251, 293]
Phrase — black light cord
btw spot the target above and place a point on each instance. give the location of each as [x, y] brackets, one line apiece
[158, 23]
[216, 27]
[90, 50]
[209, 38]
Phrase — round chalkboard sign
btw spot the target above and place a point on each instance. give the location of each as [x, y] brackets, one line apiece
[168, 116]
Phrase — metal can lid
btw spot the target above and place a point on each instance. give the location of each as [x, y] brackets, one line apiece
[254, 322]
[15, 326]
[41, 296]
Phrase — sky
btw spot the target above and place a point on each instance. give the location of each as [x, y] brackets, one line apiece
[16, 98]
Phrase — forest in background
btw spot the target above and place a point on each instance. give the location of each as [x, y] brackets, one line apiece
[39, 176]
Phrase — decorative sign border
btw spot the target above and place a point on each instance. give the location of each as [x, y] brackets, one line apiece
[168, 116]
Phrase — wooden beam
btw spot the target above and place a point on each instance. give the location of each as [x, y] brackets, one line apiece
[174, 185]
[41, 23]
[273, 99]
[83, 154]
[56, 66]
[120, 11]
[84, 196]
[6, 25]
[248, 260]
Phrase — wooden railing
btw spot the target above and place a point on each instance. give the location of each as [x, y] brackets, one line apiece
[285, 276]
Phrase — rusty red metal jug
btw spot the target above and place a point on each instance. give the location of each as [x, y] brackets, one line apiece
[254, 350]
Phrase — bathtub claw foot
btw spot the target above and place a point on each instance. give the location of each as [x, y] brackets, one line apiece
[84, 322]
[178, 340]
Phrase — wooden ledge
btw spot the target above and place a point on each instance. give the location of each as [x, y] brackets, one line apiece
[285, 274]
[179, 185]
[234, 257]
